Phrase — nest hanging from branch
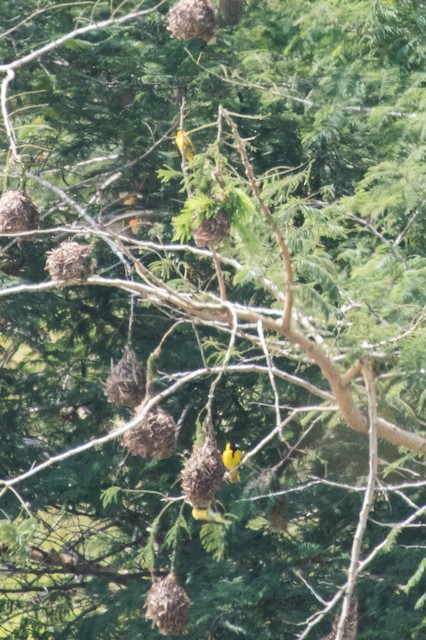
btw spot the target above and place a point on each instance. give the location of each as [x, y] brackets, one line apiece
[202, 474]
[70, 261]
[17, 212]
[189, 19]
[211, 232]
[126, 382]
[154, 437]
[167, 606]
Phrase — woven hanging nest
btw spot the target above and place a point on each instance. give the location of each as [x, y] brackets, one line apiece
[70, 261]
[17, 212]
[154, 437]
[202, 474]
[189, 19]
[167, 606]
[126, 382]
[232, 11]
[211, 232]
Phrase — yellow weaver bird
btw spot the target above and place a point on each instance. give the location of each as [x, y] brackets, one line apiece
[184, 145]
[231, 458]
[208, 515]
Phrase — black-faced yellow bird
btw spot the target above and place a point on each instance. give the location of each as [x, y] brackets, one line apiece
[184, 145]
[231, 458]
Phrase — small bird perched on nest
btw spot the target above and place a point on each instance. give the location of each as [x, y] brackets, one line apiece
[231, 458]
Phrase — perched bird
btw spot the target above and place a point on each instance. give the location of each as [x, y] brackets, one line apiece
[208, 515]
[231, 458]
[184, 145]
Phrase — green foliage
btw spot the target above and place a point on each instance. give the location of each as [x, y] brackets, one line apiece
[16, 537]
[212, 193]
[110, 496]
[212, 537]
[329, 97]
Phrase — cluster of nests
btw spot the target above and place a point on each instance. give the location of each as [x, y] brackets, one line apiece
[156, 433]
[70, 261]
[190, 19]
[155, 436]
[167, 603]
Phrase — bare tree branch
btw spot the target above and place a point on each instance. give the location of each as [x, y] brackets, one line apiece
[274, 88]
[281, 241]
[270, 374]
[313, 620]
[219, 313]
[76, 33]
[368, 499]
[10, 75]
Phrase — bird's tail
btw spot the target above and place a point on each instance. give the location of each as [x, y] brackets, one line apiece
[234, 476]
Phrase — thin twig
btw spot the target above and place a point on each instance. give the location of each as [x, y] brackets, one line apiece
[69, 453]
[368, 499]
[10, 75]
[310, 587]
[22, 501]
[131, 318]
[338, 485]
[407, 227]
[82, 212]
[154, 356]
[273, 88]
[219, 274]
[268, 437]
[76, 33]
[269, 364]
[218, 314]
[222, 368]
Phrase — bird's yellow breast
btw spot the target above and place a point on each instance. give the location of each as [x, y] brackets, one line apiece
[231, 456]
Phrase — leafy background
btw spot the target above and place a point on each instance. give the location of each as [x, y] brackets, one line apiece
[331, 99]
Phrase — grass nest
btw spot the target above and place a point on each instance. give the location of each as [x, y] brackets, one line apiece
[202, 474]
[127, 380]
[154, 437]
[167, 605]
[17, 212]
[211, 232]
[70, 261]
[189, 19]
